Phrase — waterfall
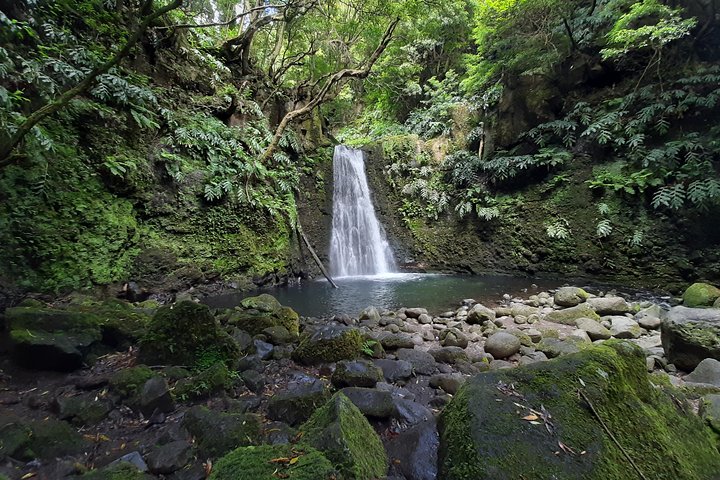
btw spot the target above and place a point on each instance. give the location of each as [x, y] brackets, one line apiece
[358, 245]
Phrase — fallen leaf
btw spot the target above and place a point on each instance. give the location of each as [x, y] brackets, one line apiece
[280, 460]
[530, 418]
[294, 460]
[28, 475]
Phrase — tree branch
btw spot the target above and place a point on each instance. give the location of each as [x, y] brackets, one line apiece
[333, 80]
[219, 24]
[55, 105]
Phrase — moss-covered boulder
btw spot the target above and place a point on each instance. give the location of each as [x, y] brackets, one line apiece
[343, 434]
[700, 295]
[329, 343]
[298, 401]
[690, 335]
[570, 296]
[568, 316]
[49, 438]
[208, 381]
[216, 433]
[256, 314]
[187, 334]
[127, 382]
[485, 434]
[270, 462]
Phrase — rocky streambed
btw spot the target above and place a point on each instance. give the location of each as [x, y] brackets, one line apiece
[561, 384]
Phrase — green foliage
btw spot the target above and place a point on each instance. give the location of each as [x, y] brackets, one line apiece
[558, 229]
[435, 116]
[504, 166]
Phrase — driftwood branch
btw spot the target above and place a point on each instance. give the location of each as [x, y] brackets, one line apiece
[319, 263]
[322, 94]
[63, 100]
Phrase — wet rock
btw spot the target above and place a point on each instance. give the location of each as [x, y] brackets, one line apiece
[394, 341]
[86, 409]
[533, 357]
[295, 405]
[690, 335]
[255, 314]
[371, 402]
[649, 323]
[502, 345]
[570, 296]
[707, 371]
[370, 313]
[452, 337]
[700, 295]
[170, 457]
[250, 362]
[343, 434]
[426, 319]
[395, 370]
[593, 328]
[279, 433]
[134, 459]
[624, 327]
[415, 312]
[422, 362]
[254, 380]
[449, 355]
[264, 350]
[243, 339]
[216, 433]
[568, 316]
[413, 453]
[279, 335]
[411, 412]
[449, 382]
[155, 396]
[480, 314]
[328, 343]
[609, 305]
[356, 373]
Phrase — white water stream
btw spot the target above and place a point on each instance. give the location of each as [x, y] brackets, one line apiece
[358, 245]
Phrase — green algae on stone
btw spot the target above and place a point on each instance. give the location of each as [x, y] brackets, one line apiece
[343, 434]
[128, 382]
[255, 314]
[568, 316]
[700, 295]
[187, 334]
[216, 433]
[329, 343]
[213, 379]
[483, 435]
[270, 462]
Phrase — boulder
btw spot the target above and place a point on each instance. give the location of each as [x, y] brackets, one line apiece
[261, 462]
[295, 404]
[168, 458]
[38, 439]
[709, 411]
[413, 452]
[690, 335]
[187, 334]
[483, 429]
[609, 305]
[255, 314]
[370, 313]
[502, 345]
[155, 395]
[623, 327]
[568, 316]
[372, 402]
[356, 373]
[707, 371]
[554, 347]
[449, 382]
[216, 433]
[452, 337]
[394, 370]
[85, 409]
[700, 295]
[211, 380]
[415, 312]
[480, 314]
[328, 343]
[594, 329]
[422, 362]
[392, 341]
[570, 296]
[449, 355]
[343, 434]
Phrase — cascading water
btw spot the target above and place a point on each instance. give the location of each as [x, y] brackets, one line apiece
[358, 245]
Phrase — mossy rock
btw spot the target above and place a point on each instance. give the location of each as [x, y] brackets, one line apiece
[343, 434]
[45, 439]
[700, 295]
[127, 382]
[483, 434]
[217, 433]
[118, 471]
[187, 334]
[270, 462]
[255, 314]
[568, 316]
[329, 343]
[211, 380]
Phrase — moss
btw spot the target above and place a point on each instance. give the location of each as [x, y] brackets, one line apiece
[128, 382]
[54, 438]
[269, 462]
[340, 344]
[120, 471]
[700, 295]
[484, 436]
[217, 433]
[568, 316]
[343, 434]
[258, 313]
[187, 334]
[211, 380]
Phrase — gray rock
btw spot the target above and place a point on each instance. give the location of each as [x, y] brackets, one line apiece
[413, 453]
[356, 373]
[710, 411]
[449, 355]
[86, 409]
[609, 305]
[423, 363]
[253, 380]
[216, 433]
[295, 405]
[690, 335]
[372, 402]
[707, 371]
[396, 340]
[452, 337]
[534, 334]
[624, 327]
[580, 335]
[554, 347]
[134, 459]
[449, 382]
[500, 365]
[649, 323]
[570, 296]
[415, 312]
[533, 357]
[594, 329]
[279, 335]
[480, 314]
[370, 313]
[502, 345]
[568, 316]
[395, 370]
[424, 318]
[155, 395]
[411, 412]
[263, 349]
[170, 457]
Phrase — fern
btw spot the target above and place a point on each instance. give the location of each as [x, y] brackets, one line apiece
[604, 229]
[559, 229]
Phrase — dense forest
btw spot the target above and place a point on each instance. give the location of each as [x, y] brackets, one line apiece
[155, 154]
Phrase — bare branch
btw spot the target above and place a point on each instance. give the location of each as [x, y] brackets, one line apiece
[219, 24]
